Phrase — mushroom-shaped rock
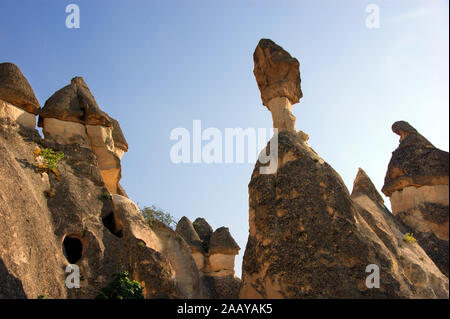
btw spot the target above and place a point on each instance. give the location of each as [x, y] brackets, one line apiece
[15, 89]
[278, 76]
[416, 162]
[71, 115]
[187, 231]
[204, 231]
[416, 183]
[362, 185]
[222, 242]
[74, 103]
[222, 251]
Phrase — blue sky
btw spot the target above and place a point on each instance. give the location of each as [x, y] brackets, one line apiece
[158, 65]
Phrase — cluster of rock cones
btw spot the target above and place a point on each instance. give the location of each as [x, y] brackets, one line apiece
[308, 236]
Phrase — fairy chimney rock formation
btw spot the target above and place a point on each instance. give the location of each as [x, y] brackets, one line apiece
[416, 183]
[18, 102]
[278, 78]
[204, 231]
[187, 231]
[72, 115]
[308, 238]
[222, 251]
[214, 253]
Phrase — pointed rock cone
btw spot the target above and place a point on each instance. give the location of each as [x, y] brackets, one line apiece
[362, 185]
[187, 231]
[204, 231]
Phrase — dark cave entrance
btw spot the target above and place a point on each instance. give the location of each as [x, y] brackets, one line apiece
[73, 249]
[113, 225]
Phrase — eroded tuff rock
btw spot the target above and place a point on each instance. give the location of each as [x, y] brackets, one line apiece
[417, 184]
[15, 89]
[413, 260]
[74, 103]
[363, 185]
[204, 231]
[41, 234]
[187, 231]
[71, 115]
[309, 239]
[278, 78]
[215, 261]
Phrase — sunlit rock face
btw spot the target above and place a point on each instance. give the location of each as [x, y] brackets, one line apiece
[214, 254]
[278, 77]
[417, 184]
[18, 103]
[16, 90]
[17, 115]
[309, 238]
[71, 115]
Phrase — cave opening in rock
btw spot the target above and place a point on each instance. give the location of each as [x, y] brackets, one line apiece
[72, 248]
[113, 225]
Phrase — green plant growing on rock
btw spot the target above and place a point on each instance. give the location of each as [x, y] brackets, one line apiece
[107, 196]
[121, 287]
[153, 213]
[48, 159]
[141, 244]
[409, 238]
[42, 297]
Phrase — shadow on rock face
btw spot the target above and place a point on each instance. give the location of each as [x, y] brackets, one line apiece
[10, 286]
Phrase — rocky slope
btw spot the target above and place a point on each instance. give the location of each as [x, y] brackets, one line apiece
[416, 183]
[53, 217]
[308, 237]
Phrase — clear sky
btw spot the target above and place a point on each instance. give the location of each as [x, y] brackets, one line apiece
[158, 65]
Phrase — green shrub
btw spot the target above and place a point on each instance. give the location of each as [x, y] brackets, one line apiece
[51, 158]
[42, 297]
[154, 213]
[409, 238]
[107, 196]
[121, 287]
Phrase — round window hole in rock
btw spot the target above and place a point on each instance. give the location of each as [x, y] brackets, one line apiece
[72, 248]
[113, 225]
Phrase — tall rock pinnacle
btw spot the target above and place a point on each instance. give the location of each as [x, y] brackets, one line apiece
[278, 76]
[416, 183]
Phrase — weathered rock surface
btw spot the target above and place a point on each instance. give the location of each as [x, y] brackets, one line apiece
[277, 72]
[187, 231]
[417, 184]
[71, 115]
[204, 231]
[74, 103]
[309, 239]
[214, 260]
[15, 89]
[363, 185]
[278, 78]
[17, 115]
[412, 259]
[41, 234]
[223, 243]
